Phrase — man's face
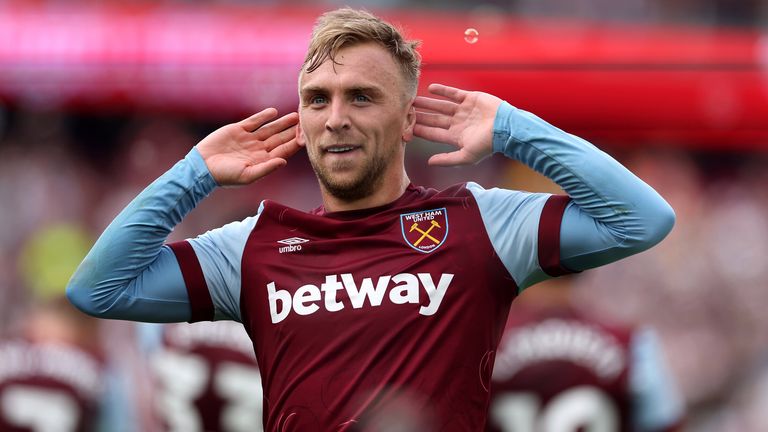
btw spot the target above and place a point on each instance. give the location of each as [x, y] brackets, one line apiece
[354, 118]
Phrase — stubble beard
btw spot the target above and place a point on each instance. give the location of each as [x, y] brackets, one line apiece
[368, 179]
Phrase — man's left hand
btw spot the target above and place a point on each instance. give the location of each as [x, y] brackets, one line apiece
[463, 119]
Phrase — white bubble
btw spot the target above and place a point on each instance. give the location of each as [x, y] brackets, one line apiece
[471, 35]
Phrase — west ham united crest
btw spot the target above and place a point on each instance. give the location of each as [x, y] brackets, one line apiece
[425, 230]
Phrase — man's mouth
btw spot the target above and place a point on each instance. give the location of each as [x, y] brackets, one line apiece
[341, 148]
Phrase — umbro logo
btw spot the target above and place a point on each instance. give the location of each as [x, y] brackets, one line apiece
[292, 244]
[293, 241]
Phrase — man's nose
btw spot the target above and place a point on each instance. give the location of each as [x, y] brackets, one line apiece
[338, 120]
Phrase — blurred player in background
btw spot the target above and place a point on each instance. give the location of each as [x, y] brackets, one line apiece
[205, 377]
[559, 370]
[390, 298]
[53, 374]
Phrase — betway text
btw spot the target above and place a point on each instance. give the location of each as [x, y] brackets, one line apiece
[401, 288]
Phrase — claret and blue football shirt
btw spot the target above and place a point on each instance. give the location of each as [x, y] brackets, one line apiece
[417, 282]
[391, 314]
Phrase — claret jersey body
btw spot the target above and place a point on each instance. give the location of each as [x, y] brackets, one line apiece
[417, 282]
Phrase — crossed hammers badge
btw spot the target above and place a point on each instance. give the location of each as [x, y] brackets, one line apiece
[426, 230]
[425, 234]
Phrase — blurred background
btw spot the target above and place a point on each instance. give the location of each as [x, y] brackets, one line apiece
[98, 98]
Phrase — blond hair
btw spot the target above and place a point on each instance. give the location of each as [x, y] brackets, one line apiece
[343, 27]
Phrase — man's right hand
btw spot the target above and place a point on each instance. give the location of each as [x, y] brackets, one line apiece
[243, 152]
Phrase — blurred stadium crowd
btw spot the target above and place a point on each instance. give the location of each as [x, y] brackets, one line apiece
[707, 12]
[64, 175]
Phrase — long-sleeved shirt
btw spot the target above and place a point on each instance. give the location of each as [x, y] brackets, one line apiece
[350, 312]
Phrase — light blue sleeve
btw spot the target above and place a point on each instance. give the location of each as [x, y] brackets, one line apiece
[613, 214]
[220, 254]
[656, 402]
[129, 274]
[511, 219]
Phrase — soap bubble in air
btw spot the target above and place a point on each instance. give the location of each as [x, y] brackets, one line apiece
[471, 35]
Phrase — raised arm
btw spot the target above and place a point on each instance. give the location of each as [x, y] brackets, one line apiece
[611, 214]
[129, 274]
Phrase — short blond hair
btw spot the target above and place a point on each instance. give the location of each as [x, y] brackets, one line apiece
[343, 27]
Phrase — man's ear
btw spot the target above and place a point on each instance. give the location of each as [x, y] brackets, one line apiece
[409, 122]
[300, 138]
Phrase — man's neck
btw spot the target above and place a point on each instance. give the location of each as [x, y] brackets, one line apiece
[386, 194]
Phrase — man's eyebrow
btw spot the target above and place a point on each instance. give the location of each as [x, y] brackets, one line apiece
[371, 90]
[312, 90]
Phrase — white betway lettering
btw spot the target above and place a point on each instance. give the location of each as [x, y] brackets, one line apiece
[406, 289]
[357, 296]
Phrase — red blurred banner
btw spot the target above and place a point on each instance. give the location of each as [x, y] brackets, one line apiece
[618, 84]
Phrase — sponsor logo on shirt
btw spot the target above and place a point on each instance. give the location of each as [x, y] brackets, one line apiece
[402, 288]
[292, 244]
[425, 230]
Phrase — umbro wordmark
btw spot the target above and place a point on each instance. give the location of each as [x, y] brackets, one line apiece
[292, 244]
